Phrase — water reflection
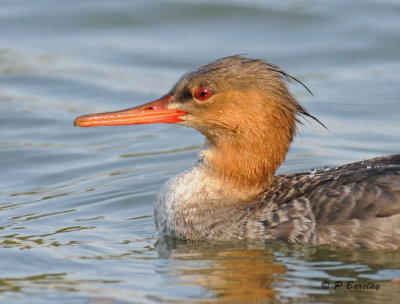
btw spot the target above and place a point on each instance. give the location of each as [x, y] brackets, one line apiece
[256, 271]
[50, 281]
[229, 272]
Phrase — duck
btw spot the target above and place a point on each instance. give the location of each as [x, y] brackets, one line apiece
[249, 118]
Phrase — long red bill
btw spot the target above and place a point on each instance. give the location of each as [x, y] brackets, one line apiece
[152, 112]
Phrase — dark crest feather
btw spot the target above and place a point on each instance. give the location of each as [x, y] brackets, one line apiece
[302, 111]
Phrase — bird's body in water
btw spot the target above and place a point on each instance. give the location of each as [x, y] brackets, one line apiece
[244, 109]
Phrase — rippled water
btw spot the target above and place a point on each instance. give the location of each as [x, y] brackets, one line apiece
[76, 220]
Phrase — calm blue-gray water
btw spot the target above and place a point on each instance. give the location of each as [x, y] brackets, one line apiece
[76, 205]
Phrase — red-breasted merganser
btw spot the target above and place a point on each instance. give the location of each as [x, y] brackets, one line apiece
[244, 109]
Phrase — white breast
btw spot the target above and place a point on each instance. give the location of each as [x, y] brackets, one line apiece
[182, 199]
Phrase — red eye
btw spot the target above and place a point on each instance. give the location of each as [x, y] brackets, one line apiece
[202, 94]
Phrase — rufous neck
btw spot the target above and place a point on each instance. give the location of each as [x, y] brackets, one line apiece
[249, 158]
